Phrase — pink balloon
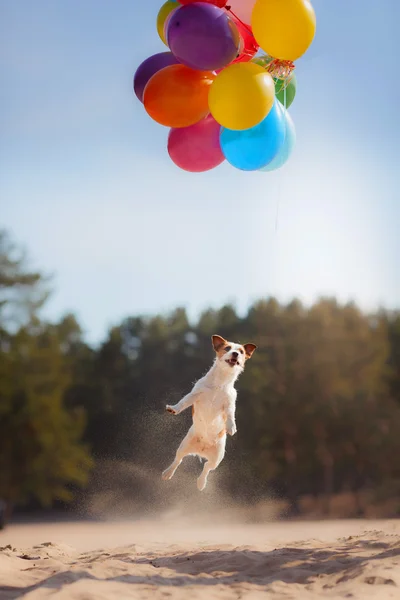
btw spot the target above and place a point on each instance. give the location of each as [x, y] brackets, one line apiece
[242, 9]
[196, 148]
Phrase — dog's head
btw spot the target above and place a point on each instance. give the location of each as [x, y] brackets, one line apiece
[230, 354]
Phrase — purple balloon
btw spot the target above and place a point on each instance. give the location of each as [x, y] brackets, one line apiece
[203, 37]
[150, 67]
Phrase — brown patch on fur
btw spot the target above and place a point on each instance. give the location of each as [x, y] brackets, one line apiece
[192, 410]
[221, 352]
[249, 349]
[221, 434]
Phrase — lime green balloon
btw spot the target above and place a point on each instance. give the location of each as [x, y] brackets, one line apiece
[290, 91]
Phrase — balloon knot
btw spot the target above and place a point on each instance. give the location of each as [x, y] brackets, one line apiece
[277, 68]
[281, 69]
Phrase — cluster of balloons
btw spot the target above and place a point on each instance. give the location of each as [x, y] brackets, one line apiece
[226, 82]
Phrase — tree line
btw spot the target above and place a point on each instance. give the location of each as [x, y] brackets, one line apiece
[318, 409]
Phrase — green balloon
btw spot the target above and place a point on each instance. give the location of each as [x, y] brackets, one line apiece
[290, 90]
[264, 61]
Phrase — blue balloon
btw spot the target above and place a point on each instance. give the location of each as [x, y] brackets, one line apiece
[287, 147]
[254, 148]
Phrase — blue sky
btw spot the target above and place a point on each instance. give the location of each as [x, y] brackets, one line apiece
[87, 186]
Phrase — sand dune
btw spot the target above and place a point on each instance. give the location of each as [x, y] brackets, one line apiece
[353, 559]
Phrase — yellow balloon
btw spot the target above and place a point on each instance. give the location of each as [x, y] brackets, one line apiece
[241, 96]
[163, 15]
[284, 28]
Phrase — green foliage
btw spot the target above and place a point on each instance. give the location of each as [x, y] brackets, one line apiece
[40, 451]
[41, 455]
[22, 292]
[318, 407]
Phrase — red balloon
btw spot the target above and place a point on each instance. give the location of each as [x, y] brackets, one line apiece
[219, 3]
[196, 148]
[249, 45]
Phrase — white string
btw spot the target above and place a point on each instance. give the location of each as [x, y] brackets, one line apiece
[277, 207]
[280, 177]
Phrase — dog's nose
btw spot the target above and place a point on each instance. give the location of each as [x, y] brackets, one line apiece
[235, 354]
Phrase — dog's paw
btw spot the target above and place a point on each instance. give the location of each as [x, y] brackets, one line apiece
[170, 409]
[201, 483]
[167, 474]
[231, 429]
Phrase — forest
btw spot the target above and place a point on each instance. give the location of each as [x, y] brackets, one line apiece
[318, 409]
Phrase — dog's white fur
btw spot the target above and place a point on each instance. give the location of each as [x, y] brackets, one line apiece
[213, 401]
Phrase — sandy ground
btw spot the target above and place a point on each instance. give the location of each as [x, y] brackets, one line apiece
[154, 559]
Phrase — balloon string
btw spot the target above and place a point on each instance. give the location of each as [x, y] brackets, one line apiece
[277, 208]
[280, 178]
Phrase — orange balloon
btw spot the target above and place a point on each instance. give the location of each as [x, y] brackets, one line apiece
[177, 96]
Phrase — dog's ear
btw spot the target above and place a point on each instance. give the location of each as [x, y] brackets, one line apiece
[218, 342]
[249, 349]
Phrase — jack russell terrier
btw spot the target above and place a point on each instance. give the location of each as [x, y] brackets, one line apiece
[213, 402]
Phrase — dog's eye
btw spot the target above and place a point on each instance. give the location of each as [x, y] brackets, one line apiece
[241, 351]
[228, 349]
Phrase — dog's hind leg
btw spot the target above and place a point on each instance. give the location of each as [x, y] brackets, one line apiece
[214, 458]
[185, 448]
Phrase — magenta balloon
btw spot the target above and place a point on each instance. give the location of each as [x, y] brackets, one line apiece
[196, 148]
[202, 36]
[150, 67]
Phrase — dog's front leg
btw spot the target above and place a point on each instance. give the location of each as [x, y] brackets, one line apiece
[183, 404]
[230, 418]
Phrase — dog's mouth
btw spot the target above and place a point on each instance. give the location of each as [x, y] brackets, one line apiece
[232, 362]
